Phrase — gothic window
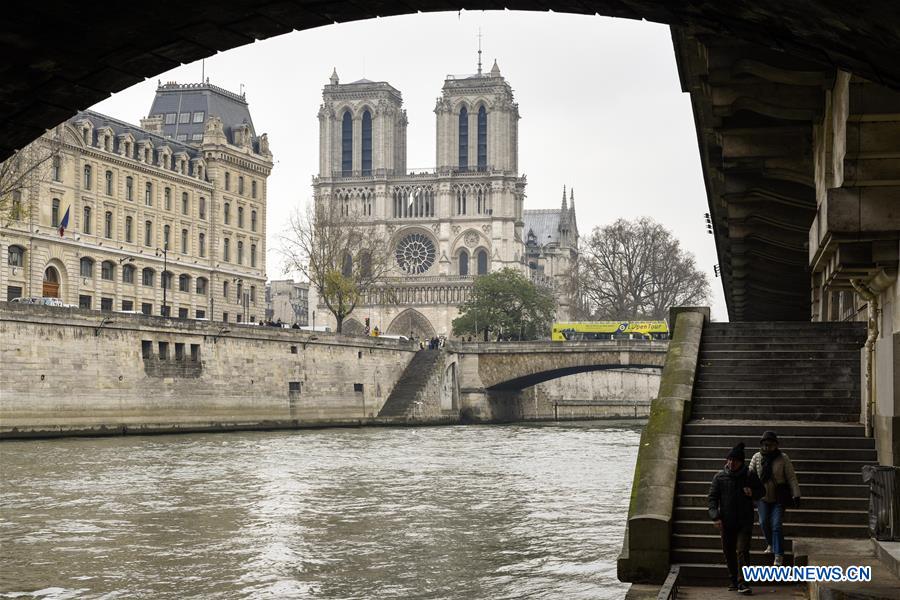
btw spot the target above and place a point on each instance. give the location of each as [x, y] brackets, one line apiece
[482, 139]
[128, 229]
[128, 274]
[367, 143]
[347, 266]
[54, 213]
[86, 224]
[129, 188]
[463, 263]
[461, 201]
[482, 262]
[415, 253]
[108, 224]
[202, 245]
[109, 183]
[463, 139]
[365, 264]
[87, 177]
[347, 145]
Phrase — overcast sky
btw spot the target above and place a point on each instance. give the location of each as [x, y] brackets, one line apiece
[602, 110]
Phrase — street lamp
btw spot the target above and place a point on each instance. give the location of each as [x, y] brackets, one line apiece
[165, 253]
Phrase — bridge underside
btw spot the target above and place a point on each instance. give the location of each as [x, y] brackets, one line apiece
[63, 57]
[520, 383]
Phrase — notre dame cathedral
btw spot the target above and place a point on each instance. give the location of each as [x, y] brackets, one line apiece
[449, 225]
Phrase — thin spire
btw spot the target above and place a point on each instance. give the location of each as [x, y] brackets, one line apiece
[572, 200]
[564, 207]
[479, 50]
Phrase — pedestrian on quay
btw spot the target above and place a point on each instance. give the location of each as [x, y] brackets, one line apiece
[775, 470]
[730, 504]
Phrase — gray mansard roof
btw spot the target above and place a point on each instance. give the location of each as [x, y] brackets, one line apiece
[198, 101]
[121, 127]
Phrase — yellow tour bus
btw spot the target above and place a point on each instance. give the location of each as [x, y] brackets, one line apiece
[610, 330]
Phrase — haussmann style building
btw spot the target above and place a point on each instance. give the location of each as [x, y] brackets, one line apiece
[165, 218]
[446, 225]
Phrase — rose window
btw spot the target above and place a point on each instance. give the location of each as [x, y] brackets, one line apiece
[415, 253]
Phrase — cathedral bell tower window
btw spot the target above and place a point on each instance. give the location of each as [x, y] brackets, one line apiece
[463, 139]
[482, 139]
[367, 143]
[347, 145]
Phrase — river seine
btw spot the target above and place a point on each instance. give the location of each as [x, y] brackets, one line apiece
[514, 511]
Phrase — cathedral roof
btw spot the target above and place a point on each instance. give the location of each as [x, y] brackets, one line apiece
[544, 223]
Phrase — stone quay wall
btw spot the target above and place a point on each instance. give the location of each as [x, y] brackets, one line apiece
[71, 371]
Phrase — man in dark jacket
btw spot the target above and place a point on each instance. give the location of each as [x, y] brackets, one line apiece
[731, 496]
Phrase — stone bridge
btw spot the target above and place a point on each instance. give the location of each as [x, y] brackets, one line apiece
[491, 375]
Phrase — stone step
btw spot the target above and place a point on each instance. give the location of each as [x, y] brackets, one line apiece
[783, 355]
[820, 490]
[802, 465]
[827, 380]
[809, 502]
[738, 364]
[787, 442]
[705, 475]
[840, 404]
[411, 382]
[788, 383]
[809, 345]
[783, 393]
[791, 516]
[713, 556]
[844, 372]
[767, 417]
[782, 428]
[714, 541]
[796, 454]
[792, 529]
[786, 326]
[740, 407]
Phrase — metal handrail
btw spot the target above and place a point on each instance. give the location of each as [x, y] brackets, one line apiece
[669, 589]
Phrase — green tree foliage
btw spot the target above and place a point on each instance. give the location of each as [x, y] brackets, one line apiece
[506, 303]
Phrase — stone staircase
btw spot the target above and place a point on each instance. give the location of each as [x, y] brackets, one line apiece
[801, 380]
[401, 403]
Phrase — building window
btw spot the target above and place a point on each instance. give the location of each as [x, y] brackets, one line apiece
[109, 183]
[87, 177]
[184, 241]
[482, 139]
[166, 280]
[128, 274]
[147, 276]
[184, 118]
[241, 216]
[253, 188]
[107, 225]
[107, 270]
[227, 253]
[128, 229]
[54, 213]
[129, 188]
[201, 285]
[226, 213]
[16, 256]
[56, 168]
[185, 204]
[86, 220]
[84, 301]
[227, 181]
[201, 208]
[16, 209]
[13, 292]
[482, 262]
[179, 348]
[184, 283]
[198, 117]
[347, 145]
[238, 297]
[87, 267]
[366, 143]
[241, 185]
[200, 314]
[202, 245]
[128, 305]
[148, 194]
[253, 294]
[225, 289]
[252, 220]
[252, 255]
[463, 263]
[463, 139]
[166, 236]
[147, 308]
[240, 252]
[170, 118]
[224, 317]
[167, 195]
[148, 234]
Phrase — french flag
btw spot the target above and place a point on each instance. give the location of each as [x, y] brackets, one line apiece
[64, 223]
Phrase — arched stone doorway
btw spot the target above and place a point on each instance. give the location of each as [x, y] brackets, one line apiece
[51, 283]
[352, 327]
[411, 323]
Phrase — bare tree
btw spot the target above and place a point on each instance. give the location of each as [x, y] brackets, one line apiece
[23, 172]
[340, 255]
[637, 270]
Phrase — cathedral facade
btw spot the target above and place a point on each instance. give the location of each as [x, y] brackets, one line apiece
[446, 226]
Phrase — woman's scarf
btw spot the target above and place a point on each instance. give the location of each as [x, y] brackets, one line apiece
[768, 458]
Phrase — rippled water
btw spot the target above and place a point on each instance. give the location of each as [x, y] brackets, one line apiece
[517, 511]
